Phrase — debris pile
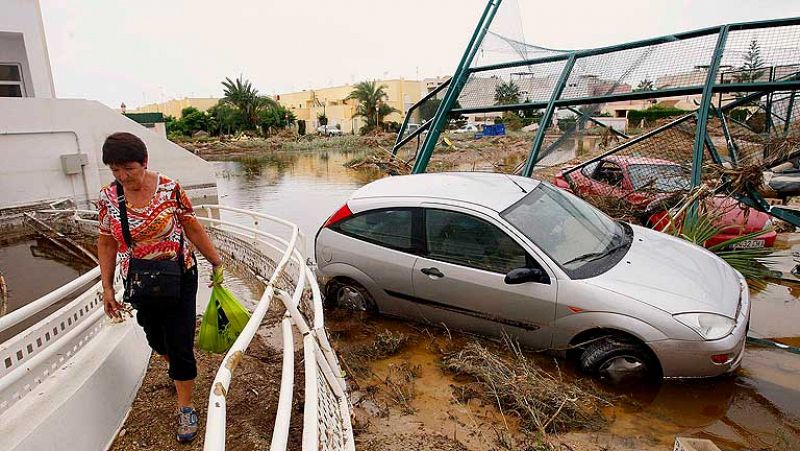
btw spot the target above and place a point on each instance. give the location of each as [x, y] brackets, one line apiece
[544, 403]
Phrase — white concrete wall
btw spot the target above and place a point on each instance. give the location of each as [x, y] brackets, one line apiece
[25, 16]
[34, 133]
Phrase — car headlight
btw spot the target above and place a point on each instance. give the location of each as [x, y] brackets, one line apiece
[710, 326]
[769, 224]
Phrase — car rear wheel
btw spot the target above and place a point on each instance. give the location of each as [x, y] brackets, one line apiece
[617, 360]
[348, 294]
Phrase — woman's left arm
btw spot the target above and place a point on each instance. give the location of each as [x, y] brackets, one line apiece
[198, 236]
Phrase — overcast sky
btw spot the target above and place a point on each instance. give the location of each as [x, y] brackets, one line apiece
[155, 50]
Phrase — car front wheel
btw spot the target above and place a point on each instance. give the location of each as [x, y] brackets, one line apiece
[348, 294]
[618, 360]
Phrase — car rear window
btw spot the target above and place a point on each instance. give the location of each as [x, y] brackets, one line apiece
[390, 228]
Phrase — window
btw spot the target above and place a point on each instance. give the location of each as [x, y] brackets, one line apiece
[588, 170]
[390, 228]
[609, 173]
[10, 81]
[466, 240]
[565, 228]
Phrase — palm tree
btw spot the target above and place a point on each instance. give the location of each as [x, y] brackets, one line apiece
[372, 104]
[506, 93]
[244, 96]
[645, 85]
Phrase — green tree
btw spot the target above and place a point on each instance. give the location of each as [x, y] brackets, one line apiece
[428, 109]
[645, 85]
[372, 104]
[275, 118]
[752, 65]
[174, 126]
[226, 119]
[244, 96]
[193, 120]
[322, 118]
[506, 93]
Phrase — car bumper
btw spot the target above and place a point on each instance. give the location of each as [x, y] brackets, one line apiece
[693, 359]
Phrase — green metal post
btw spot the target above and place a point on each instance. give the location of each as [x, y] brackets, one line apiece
[403, 127]
[733, 149]
[455, 86]
[544, 122]
[789, 112]
[705, 103]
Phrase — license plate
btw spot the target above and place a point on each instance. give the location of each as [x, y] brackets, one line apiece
[749, 244]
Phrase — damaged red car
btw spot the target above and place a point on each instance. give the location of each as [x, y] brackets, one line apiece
[645, 183]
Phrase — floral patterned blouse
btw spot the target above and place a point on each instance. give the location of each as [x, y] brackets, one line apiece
[154, 231]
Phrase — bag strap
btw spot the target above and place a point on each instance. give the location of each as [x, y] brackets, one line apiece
[177, 192]
[123, 215]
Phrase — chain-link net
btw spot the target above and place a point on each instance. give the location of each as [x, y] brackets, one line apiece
[523, 84]
[640, 89]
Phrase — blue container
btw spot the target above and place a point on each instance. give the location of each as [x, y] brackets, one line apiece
[494, 130]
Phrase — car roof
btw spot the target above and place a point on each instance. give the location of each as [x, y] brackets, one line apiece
[629, 160]
[491, 190]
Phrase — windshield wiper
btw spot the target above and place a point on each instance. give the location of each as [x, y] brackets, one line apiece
[591, 256]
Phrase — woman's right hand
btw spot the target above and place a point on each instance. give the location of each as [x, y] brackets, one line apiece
[110, 304]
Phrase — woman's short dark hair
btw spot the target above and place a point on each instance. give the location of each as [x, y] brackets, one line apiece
[124, 147]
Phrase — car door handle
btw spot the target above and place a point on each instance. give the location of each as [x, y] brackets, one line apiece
[432, 272]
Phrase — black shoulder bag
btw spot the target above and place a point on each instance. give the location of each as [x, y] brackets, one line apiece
[150, 283]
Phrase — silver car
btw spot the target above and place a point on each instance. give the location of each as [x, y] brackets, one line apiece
[495, 254]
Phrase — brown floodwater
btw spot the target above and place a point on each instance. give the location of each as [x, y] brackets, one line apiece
[757, 408]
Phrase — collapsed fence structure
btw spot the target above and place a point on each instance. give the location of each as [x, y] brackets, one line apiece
[739, 81]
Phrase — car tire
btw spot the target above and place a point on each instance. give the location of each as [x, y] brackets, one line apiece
[617, 359]
[349, 294]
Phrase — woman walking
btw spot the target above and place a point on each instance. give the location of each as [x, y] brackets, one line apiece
[147, 225]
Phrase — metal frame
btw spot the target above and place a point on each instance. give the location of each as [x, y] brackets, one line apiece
[457, 83]
[400, 141]
[706, 90]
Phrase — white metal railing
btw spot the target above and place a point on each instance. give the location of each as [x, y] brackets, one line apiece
[29, 357]
[327, 410]
[47, 300]
[48, 344]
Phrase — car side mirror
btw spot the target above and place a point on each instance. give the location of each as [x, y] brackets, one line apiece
[523, 275]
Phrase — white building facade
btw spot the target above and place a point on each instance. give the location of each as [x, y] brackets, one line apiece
[50, 147]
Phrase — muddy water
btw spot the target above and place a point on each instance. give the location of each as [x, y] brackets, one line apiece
[759, 408]
[24, 261]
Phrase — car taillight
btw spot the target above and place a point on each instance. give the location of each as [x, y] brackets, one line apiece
[342, 213]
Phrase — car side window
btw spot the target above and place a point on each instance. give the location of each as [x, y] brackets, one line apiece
[390, 228]
[609, 173]
[465, 240]
[589, 169]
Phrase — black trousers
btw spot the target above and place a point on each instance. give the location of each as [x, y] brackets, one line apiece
[170, 329]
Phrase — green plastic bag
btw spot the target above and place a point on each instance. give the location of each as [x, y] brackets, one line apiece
[223, 321]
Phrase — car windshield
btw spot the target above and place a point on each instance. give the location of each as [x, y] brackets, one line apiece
[570, 231]
[661, 178]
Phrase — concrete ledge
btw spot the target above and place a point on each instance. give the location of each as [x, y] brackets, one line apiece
[84, 403]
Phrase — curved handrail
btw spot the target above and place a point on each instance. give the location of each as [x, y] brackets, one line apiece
[215, 426]
[320, 359]
[322, 369]
[25, 312]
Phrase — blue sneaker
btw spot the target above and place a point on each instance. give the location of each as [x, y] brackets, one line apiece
[187, 424]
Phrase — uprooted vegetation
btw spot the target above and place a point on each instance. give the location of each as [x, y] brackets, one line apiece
[488, 395]
[544, 403]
